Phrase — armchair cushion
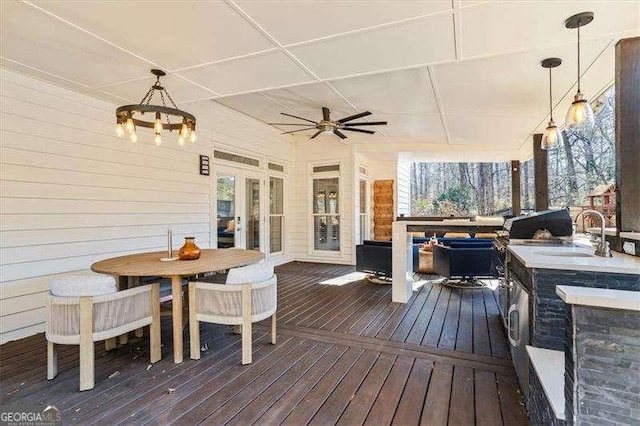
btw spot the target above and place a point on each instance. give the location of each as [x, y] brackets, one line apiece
[83, 285]
[253, 273]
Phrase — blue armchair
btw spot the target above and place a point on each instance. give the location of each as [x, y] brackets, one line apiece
[375, 257]
[465, 259]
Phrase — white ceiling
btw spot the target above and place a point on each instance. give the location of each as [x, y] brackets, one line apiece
[454, 76]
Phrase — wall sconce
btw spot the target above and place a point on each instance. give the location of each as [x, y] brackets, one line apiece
[204, 165]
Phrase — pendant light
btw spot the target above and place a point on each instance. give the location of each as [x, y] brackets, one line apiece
[552, 135]
[580, 111]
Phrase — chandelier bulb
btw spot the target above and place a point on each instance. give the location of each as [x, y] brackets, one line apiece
[157, 127]
[131, 128]
[133, 137]
[157, 139]
[192, 136]
[184, 130]
[119, 130]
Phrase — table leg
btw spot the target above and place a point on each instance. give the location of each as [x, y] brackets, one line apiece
[110, 344]
[176, 302]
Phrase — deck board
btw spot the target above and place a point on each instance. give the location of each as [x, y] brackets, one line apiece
[345, 355]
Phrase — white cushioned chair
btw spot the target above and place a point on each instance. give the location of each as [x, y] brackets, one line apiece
[87, 308]
[249, 295]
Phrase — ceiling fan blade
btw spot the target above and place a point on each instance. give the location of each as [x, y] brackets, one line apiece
[316, 134]
[350, 129]
[372, 123]
[287, 124]
[353, 117]
[339, 133]
[299, 118]
[299, 130]
[325, 113]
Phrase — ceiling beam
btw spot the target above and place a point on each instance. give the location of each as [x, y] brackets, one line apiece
[436, 95]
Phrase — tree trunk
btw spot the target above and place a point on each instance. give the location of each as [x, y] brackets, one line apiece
[572, 180]
[463, 169]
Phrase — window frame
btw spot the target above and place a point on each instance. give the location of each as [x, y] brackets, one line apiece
[337, 174]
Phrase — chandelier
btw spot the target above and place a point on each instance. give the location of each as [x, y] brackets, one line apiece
[128, 117]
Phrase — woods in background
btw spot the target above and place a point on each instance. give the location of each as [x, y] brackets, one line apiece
[585, 160]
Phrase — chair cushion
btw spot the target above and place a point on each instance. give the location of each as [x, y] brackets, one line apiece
[83, 284]
[253, 273]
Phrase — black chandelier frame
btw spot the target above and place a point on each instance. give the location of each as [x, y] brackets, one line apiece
[125, 112]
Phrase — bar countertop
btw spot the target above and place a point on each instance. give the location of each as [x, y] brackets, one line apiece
[578, 257]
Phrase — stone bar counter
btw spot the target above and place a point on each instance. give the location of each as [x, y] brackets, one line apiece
[580, 302]
[541, 269]
[602, 356]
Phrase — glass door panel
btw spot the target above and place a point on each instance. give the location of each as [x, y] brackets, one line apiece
[226, 203]
[252, 203]
[276, 214]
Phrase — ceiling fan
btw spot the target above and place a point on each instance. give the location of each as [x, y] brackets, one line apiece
[334, 126]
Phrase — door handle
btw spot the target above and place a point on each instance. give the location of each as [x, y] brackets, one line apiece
[513, 325]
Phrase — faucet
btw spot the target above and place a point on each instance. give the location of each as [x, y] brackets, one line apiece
[603, 248]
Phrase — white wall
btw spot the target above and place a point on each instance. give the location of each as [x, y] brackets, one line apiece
[72, 193]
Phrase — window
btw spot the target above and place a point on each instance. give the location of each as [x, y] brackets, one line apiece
[326, 214]
[276, 214]
[363, 216]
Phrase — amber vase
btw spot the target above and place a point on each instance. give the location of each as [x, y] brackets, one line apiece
[189, 251]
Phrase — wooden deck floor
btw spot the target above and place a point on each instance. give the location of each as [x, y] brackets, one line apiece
[345, 355]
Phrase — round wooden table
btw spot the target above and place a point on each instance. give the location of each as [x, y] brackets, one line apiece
[149, 264]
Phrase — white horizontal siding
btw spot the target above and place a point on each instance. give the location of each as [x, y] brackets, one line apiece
[403, 198]
[71, 193]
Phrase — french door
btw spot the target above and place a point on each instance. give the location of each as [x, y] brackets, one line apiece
[240, 209]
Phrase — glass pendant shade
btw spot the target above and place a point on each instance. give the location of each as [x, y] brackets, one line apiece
[580, 112]
[551, 136]
[119, 130]
[133, 137]
[157, 139]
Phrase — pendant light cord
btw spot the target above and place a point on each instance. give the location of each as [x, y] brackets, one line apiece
[578, 57]
[550, 97]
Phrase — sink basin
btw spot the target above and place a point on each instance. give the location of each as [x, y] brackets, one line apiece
[560, 253]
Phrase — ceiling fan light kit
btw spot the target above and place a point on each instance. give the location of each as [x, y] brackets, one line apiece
[552, 135]
[128, 117]
[580, 110]
[327, 125]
